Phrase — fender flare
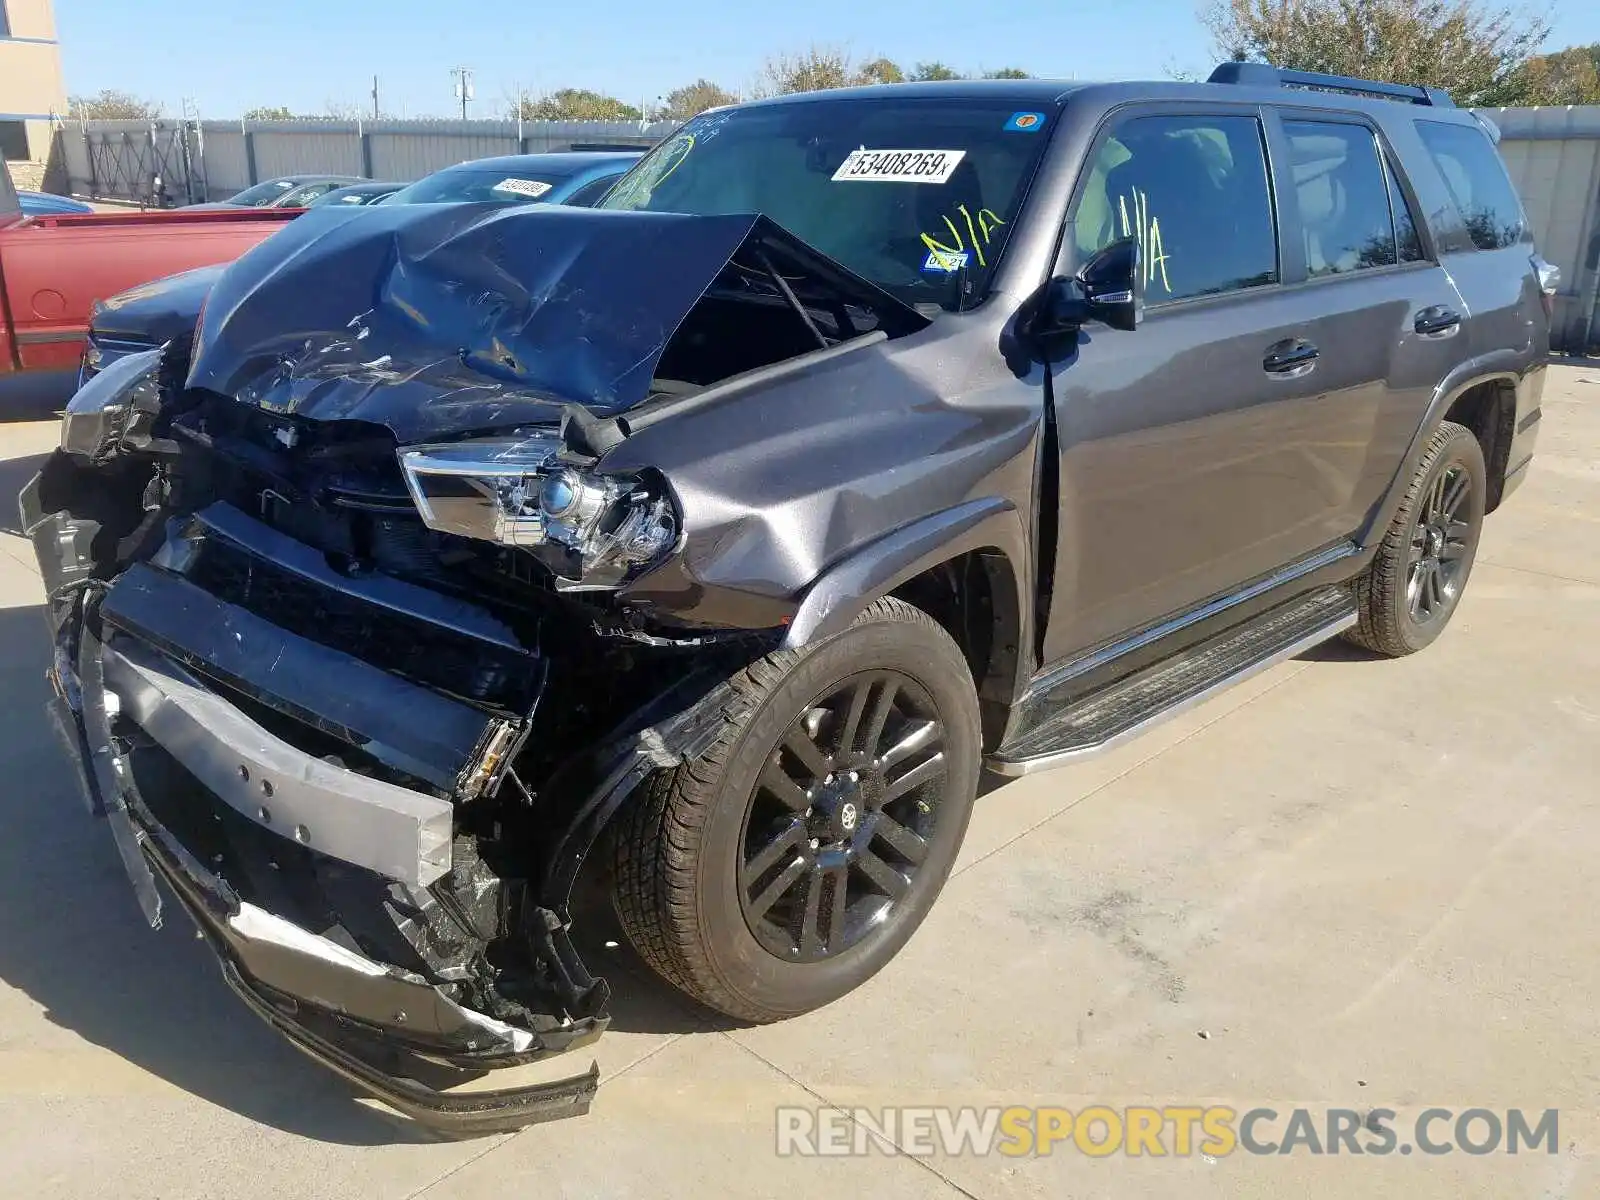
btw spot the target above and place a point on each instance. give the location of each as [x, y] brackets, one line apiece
[1503, 366]
[838, 595]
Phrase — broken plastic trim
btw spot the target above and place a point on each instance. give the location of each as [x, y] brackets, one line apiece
[255, 948]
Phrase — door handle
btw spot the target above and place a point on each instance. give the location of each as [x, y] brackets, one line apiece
[1292, 358]
[1437, 321]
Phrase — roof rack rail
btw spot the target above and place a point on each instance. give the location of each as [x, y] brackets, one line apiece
[1251, 74]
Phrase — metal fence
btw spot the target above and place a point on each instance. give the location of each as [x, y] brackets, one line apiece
[182, 162]
[1553, 154]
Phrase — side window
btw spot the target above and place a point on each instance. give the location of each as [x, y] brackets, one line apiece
[591, 193]
[1405, 221]
[1342, 196]
[1194, 192]
[1477, 182]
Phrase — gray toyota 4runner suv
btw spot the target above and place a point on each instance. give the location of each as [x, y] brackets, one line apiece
[857, 442]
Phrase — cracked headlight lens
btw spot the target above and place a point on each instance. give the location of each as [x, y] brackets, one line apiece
[594, 531]
[97, 415]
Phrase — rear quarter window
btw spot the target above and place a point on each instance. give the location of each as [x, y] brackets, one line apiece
[1477, 182]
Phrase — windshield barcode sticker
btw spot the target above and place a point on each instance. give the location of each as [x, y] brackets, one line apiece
[522, 187]
[899, 166]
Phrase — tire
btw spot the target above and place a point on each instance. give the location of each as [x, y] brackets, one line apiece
[688, 871]
[1410, 591]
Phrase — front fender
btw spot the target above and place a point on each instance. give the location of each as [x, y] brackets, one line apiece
[840, 593]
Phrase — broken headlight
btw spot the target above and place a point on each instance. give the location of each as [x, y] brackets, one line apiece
[98, 415]
[593, 531]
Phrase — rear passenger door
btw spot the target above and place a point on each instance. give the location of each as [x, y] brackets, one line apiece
[1484, 239]
[1385, 318]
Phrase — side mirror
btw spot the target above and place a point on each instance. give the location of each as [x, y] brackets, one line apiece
[1113, 285]
[1109, 288]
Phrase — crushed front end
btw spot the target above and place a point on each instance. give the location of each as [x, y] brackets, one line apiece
[368, 757]
[366, 622]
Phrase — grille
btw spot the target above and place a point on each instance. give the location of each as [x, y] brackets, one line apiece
[425, 653]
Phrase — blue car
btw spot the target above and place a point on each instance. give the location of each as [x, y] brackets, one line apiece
[578, 177]
[42, 204]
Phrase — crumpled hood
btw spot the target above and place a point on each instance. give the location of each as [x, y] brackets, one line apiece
[436, 319]
[159, 311]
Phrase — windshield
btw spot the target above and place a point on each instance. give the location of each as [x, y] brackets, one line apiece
[263, 192]
[456, 186]
[915, 195]
[352, 195]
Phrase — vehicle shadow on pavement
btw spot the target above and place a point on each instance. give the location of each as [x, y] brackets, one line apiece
[641, 1001]
[73, 941]
[35, 395]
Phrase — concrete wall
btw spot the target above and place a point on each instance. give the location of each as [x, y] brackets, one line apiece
[31, 87]
[1553, 154]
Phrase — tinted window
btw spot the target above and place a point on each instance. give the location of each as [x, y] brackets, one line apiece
[591, 192]
[457, 185]
[1193, 191]
[306, 193]
[1405, 221]
[1477, 181]
[263, 193]
[1342, 196]
[917, 195]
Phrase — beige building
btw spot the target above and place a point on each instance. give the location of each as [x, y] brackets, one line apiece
[31, 87]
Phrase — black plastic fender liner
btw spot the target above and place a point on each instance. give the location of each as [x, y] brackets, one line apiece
[684, 722]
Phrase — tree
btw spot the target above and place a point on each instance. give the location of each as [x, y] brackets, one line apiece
[693, 99]
[816, 69]
[1008, 73]
[881, 70]
[929, 71]
[576, 104]
[278, 113]
[1474, 49]
[1570, 76]
[112, 105]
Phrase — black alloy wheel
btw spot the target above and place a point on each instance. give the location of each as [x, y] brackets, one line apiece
[1409, 592]
[1440, 542]
[839, 823]
[792, 859]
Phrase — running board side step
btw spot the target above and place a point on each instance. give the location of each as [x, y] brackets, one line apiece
[1120, 711]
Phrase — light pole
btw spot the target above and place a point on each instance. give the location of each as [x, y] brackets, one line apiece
[464, 92]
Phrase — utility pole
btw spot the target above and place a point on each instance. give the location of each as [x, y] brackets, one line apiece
[464, 93]
[374, 97]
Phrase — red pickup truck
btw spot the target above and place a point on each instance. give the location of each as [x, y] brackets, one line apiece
[53, 268]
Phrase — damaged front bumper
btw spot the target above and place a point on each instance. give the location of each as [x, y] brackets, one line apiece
[242, 827]
[385, 1029]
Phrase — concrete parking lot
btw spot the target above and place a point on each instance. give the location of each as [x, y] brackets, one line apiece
[1348, 882]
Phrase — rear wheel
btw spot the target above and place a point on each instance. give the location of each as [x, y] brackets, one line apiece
[792, 861]
[1411, 590]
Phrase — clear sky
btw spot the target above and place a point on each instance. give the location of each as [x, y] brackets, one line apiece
[230, 55]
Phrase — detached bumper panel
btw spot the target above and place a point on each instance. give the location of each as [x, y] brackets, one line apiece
[416, 730]
[398, 833]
